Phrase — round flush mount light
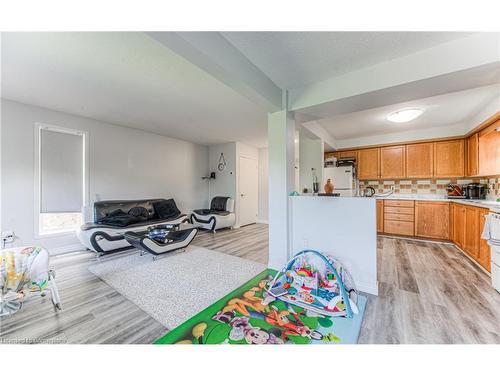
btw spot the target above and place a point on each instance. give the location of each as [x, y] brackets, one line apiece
[405, 115]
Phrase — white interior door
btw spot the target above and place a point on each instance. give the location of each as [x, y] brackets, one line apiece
[249, 191]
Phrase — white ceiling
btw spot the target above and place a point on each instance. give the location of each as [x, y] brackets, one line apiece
[440, 111]
[294, 59]
[127, 79]
[130, 79]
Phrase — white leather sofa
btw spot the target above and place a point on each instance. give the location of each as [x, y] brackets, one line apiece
[103, 237]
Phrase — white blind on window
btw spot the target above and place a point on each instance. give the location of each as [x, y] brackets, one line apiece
[61, 172]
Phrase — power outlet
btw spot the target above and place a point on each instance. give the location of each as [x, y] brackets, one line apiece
[8, 236]
[393, 188]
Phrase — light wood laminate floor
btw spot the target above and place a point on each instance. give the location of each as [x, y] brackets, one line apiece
[429, 293]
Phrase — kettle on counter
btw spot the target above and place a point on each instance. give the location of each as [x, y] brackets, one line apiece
[368, 191]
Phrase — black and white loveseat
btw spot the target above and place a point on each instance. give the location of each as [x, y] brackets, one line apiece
[113, 218]
[219, 215]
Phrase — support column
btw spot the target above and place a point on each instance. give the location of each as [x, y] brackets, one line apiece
[281, 143]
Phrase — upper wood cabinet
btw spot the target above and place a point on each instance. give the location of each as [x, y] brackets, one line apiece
[393, 162]
[472, 148]
[449, 158]
[369, 163]
[330, 154]
[348, 154]
[489, 150]
[432, 219]
[419, 160]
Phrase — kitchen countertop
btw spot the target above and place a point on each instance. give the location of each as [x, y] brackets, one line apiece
[489, 204]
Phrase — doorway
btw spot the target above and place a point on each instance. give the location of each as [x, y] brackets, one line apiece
[248, 182]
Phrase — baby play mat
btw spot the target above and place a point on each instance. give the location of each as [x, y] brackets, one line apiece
[241, 318]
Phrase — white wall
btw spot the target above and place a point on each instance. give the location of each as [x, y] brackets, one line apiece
[225, 181]
[263, 185]
[124, 164]
[310, 156]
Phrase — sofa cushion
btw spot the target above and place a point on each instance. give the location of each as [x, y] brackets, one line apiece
[119, 218]
[166, 209]
[177, 219]
[218, 204]
[139, 212]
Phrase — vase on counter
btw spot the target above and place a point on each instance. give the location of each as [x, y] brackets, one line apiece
[328, 186]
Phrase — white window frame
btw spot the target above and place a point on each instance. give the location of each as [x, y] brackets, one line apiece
[38, 178]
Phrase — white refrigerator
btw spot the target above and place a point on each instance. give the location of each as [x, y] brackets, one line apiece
[342, 179]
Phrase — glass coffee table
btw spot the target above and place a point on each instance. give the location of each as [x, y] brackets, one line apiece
[162, 239]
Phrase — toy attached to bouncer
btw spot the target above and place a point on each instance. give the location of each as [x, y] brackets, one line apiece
[316, 282]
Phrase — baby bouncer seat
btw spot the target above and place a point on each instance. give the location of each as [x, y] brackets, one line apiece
[25, 271]
[219, 215]
[317, 282]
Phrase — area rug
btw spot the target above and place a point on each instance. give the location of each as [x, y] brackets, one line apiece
[241, 318]
[178, 285]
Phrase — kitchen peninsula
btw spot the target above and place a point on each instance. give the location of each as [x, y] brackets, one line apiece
[344, 227]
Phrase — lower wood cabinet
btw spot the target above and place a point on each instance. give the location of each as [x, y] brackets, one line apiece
[458, 219]
[459, 223]
[432, 219]
[484, 255]
[380, 216]
[471, 244]
[399, 217]
[468, 222]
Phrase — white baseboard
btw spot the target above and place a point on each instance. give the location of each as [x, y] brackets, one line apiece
[261, 221]
[371, 288]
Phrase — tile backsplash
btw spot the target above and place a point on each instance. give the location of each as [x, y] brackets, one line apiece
[431, 186]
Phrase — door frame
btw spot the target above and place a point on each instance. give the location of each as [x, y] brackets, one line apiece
[238, 190]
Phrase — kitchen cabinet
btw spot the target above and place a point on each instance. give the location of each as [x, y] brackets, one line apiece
[458, 225]
[329, 155]
[420, 160]
[489, 150]
[393, 162]
[484, 256]
[399, 217]
[432, 219]
[369, 163]
[473, 155]
[471, 244]
[380, 216]
[349, 154]
[449, 158]
[468, 222]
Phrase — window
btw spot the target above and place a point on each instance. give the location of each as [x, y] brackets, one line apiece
[61, 175]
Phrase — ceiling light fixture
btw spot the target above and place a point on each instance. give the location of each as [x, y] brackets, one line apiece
[404, 115]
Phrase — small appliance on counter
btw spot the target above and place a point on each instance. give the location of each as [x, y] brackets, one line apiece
[368, 192]
[475, 191]
[455, 192]
[346, 162]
